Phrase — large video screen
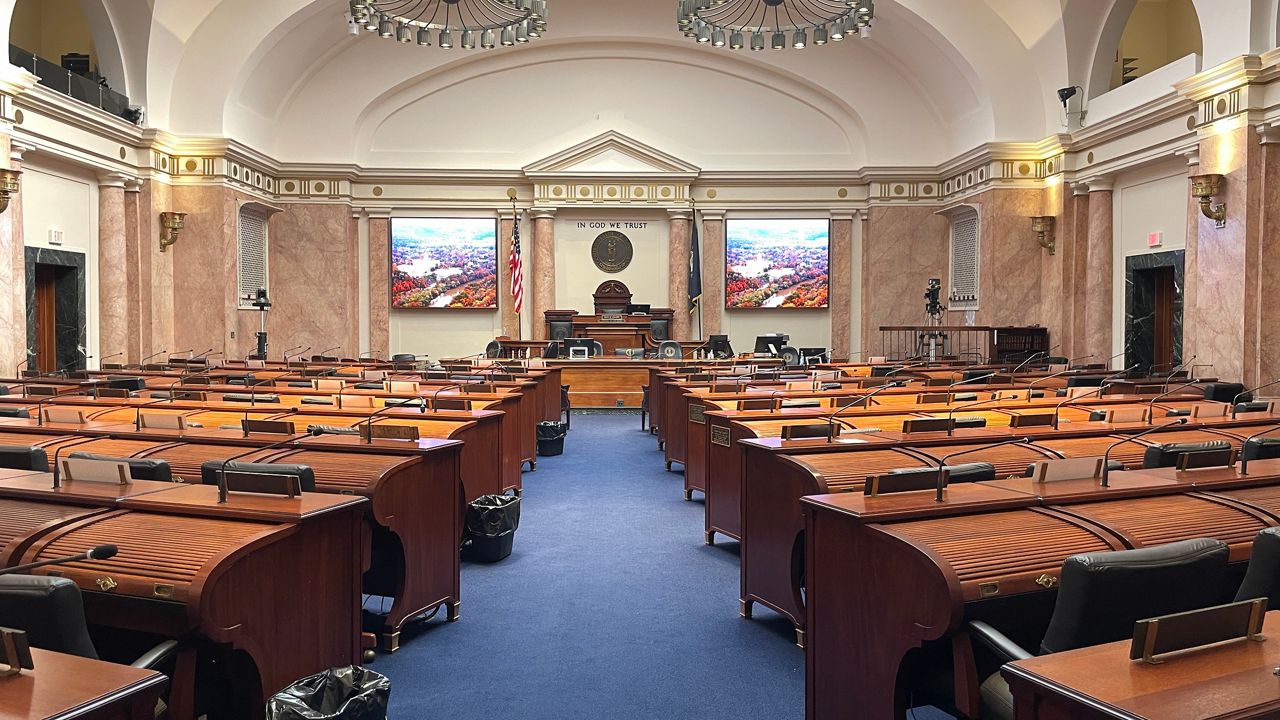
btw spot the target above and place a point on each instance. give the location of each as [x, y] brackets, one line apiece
[444, 263]
[776, 263]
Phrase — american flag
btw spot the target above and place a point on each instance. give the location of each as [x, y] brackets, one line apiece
[517, 267]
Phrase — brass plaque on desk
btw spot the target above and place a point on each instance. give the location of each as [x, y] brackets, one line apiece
[698, 414]
[612, 319]
[720, 436]
[611, 251]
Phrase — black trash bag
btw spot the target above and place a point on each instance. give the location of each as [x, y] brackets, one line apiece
[346, 693]
[491, 527]
[551, 438]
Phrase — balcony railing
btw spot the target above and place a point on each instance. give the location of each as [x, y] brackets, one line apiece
[55, 77]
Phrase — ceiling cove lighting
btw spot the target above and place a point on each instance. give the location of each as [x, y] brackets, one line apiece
[787, 22]
[511, 21]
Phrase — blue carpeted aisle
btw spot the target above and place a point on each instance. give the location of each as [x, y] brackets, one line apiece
[610, 606]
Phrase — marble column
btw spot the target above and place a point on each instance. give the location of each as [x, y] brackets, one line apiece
[840, 296]
[113, 268]
[506, 301]
[1079, 269]
[678, 251]
[133, 274]
[13, 280]
[712, 306]
[379, 283]
[540, 269]
[1097, 301]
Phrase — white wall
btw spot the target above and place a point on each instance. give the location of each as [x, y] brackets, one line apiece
[647, 276]
[1152, 198]
[63, 197]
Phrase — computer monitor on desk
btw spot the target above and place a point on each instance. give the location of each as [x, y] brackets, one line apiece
[638, 309]
[771, 345]
[577, 347]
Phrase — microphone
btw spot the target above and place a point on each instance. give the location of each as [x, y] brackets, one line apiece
[378, 413]
[1244, 462]
[326, 351]
[1032, 384]
[82, 441]
[374, 353]
[1106, 457]
[40, 404]
[1236, 399]
[108, 357]
[67, 366]
[152, 355]
[436, 394]
[962, 381]
[951, 425]
[1201, 365]
[1177, 369]
[186, 352]
[1073, 360]
[222, 471]
[284, 357]
[944, 472]
[905, 367]
[17, 371]
[1023, 364]
[1058, 408]
[833, 418]
[101, 552]
[1151, 406]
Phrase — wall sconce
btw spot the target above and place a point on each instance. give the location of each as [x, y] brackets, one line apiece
[1043, 227]
[1204, 188]
[170, 224]
[8, 187]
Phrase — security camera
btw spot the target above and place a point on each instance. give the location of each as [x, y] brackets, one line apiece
[1066, 93]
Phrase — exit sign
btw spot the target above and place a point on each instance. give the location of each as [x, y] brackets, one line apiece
[1155, 239]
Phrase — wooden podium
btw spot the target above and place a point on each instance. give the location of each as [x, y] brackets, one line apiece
[610, 325]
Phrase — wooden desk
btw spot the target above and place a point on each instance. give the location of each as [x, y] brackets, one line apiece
[1237, 680]
[66, 686]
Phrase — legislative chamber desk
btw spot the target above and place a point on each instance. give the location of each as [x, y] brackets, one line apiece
[269, 584]
[892, 580]
[69, 687]
[414, 513]
[1237, 681]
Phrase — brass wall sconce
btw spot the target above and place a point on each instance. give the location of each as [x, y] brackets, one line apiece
[1204, 188]
[1042, 225]
[170, 224]
[8, 187]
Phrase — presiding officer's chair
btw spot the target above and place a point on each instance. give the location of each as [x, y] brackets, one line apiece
[1103, 594]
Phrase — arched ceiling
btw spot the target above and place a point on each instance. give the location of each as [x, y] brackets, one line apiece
[935, 79]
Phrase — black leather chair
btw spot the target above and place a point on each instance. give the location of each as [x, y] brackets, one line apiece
[629, 352]
[493, 349]
[15, 411]
[139, 468]
[24, 457]
[1101, 596]
[670, 350]
[1085, 380]
[963, 472]
[126, 382]
[1166, 455]
[1262, 579]
[660, 330]
[1263, 448]
[1224, 392]
[551, 351]
[1252, 406]
[51, 612]
[560, 329]
[306, 476]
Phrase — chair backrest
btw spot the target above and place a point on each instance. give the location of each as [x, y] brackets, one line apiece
[597, 348]
[1162, 456]
[629, 352]
[126, 382]
[1102, 595]
[49, 609]
[493, 349]
[670, 350]
[1262, 579]
[1264, 448]
[660, 329]
[139, 468]
[15, 411]
[1224, 392]
[24, 457]
[403, 357]
[306, 476]
[560, 329]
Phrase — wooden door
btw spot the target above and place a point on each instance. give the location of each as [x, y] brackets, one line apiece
[1165, 296]
[46, 319]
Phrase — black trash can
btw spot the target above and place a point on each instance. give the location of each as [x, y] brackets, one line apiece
[551, 438]
[491, 527]
[346, 693]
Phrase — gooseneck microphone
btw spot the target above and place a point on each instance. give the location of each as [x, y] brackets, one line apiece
[439, 390]
[101, 552]
[57, 477]
[951, 414]
[1106, 457]
[834, 418]
[1177, 369]
[222, 471]
[368, 422]
[1032, 384]
[144, 360]
[1244, 459]
[1249, 392]
[1151, 406]
[905, 367]
[944, 472]
[962, 381]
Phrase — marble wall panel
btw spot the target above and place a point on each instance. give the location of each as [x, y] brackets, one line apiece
[1010, 258]
[380, 284]
[901, 249]
[13, 298]
[679, 243]
[841, 295]
[712, 305]
[113, 272]
[313, 268]
[204, 271]
[1268, 269]
[1082, 282]
[134, 283]
[1097, 301]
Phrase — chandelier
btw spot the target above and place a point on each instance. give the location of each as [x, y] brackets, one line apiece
[488, 22]
[727, 23]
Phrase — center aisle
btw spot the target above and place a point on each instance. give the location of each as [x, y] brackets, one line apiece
[610, 606]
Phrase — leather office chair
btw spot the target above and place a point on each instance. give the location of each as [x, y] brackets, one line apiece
[1252, 406]
[24, 457]
[551, 351]
[560, 329]
[493, 349]
[1262, 579]
[597, 348]
[790, 356]
[18, 412]
[670, 350]
[306, 476]
[1166, 455]
[963, 472]
[139, 468]
[1085, 380]
[126, 382]
[660, 330]
[1263, 448]
[629, 352]
[1102, 595]
[1224, 392]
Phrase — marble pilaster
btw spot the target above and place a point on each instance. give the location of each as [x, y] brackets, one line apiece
[712, 305]
[13, 296]
[380, 284]
[506, 301]
[679, 246]
[1078, 268]
[1097, 301]
[113, 268]
[841, 294]
[134, 275]
[540, 264]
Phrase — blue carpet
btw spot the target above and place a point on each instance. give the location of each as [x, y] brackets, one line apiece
[610, 606]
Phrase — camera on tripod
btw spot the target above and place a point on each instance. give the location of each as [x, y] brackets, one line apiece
[933, 306]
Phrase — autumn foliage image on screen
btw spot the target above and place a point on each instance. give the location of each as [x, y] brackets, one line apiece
[444, 263]
[776, 263]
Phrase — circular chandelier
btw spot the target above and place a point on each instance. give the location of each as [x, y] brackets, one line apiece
[729, 23]
[484, 22]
